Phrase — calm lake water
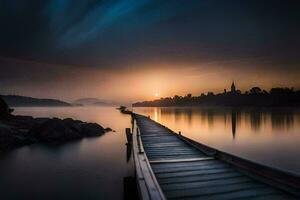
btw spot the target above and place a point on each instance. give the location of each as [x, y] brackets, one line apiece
[267, 136]
[91, 168]
[94, 168]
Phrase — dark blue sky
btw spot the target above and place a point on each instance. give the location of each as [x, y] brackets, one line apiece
[117, 34]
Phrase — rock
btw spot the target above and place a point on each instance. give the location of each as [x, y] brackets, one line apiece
[56, 131]
[20, 130]
[9, 137]
[108, 130]
[92, 129]
[6, 134]
[22, 122]
[4, 109]
[75, 125]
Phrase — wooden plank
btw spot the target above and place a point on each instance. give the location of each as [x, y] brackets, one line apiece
[174, 154]
[158, 135]
[152, 138]
[205, 191]
[208, 177]
[190, 185]
[166, 145]
[151, 149]
[194, 173]
[147, 184]
[170, 151]
[175, 157]
[188, 168]
[170, 148]
[238, 194]
[163, 146]
[212, 163]
[162, 140]
[270, 196]
[182, 160]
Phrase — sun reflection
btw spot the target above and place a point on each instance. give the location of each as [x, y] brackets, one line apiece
[156, 114]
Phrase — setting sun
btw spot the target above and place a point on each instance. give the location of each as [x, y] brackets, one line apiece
[156, 94]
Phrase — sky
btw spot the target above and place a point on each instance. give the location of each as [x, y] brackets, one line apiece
[130, 50]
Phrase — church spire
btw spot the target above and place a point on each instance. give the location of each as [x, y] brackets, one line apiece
[233, 87]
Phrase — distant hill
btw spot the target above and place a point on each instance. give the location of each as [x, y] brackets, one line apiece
[94, 102]
[86, 101]
[20, 101]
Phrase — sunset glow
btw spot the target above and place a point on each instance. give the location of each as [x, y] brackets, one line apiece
[149, 99]
[194, 47]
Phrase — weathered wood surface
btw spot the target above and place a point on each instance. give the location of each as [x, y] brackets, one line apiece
[148, 187]
[182, 171]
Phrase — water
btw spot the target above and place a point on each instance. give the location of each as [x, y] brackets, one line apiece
[94, 168]
[91, 168]
[267, 136]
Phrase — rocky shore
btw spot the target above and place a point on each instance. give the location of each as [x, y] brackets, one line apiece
[22, 130]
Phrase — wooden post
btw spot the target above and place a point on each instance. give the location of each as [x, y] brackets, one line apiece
[138, 136]
[128, 135]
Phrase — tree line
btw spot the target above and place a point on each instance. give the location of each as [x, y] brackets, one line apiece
[254, 97]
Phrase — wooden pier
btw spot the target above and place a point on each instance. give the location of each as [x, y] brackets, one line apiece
[170, 166]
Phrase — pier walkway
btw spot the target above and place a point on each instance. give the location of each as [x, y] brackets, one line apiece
[170, 166]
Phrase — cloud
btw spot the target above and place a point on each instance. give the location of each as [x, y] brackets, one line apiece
[62, 36]
[107, 33]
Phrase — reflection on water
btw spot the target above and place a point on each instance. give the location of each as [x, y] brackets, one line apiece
[279, 120]
[269, 136]
[233, 122]
[91, 168]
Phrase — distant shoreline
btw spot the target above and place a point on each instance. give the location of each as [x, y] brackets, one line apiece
[276, 97]
[32, 106]
[216, 106]
[24, 101]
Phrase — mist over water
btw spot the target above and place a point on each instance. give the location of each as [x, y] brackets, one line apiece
[267, 136]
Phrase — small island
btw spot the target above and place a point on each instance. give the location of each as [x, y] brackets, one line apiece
[23, 130]
[255, 97]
